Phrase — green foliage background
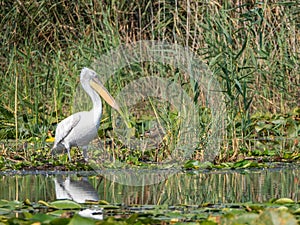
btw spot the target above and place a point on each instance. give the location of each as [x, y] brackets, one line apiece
[251, 47]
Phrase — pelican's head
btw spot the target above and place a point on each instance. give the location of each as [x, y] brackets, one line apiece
[89, 77]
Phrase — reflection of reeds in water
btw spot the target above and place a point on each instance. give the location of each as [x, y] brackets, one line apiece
[215, 187]
[182, 188]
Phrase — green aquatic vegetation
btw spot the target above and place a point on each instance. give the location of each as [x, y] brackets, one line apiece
[35, 157]
[251, 49]
[276, 139]
[68, 212]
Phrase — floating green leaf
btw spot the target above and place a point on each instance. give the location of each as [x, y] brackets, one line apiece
[65, 204]
[195, 164]
[78, 220]
[284, 201]
[43, 218]
[275, 217]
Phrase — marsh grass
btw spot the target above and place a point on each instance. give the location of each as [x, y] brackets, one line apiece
[251, 48]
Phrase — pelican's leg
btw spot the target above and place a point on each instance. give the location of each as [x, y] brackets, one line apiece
[69, 155]
[85, 154]
[52, 152]
[68, 150]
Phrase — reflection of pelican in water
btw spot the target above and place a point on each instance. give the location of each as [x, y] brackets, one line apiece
[76, 190]
[82, 127]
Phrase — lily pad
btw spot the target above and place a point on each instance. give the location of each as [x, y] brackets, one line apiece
[192, 164]
[78, 220]
[195, 164]
[10, 204]
[65, 204]
[43, 203]
[276, 217]
[297, 211]
[284, 201]
[57, 213]
[60, 221]
[246, 218]
[103, 202]
[42, 218]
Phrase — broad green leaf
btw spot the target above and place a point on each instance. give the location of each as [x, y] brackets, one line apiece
[245, 218]
[192, 164]
[57, 213]
[275, 217]
[297, 211]
[43, 203]
[60, 221]
[132, 219]
[103, 202]
[65, 204]
[284, 201]
[78, 220]
[26, 214]
[43, 218]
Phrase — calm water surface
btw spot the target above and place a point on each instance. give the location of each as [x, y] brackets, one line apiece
[154, 187]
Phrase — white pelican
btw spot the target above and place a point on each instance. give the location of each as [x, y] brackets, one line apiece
[82, 127]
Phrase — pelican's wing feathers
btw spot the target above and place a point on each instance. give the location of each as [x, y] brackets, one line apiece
[65, 127]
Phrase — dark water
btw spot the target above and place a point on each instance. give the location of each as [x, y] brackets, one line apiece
[154, 187]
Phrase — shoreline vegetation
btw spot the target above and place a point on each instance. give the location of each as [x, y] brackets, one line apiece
[251, 48]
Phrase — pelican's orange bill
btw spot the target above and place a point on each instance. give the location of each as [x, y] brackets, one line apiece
[103, 92]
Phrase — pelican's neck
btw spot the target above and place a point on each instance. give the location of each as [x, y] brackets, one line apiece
[97, 103]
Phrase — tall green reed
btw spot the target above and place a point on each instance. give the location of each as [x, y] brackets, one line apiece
[250, 47]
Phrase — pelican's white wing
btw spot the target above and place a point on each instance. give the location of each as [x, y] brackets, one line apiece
[65, 127]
